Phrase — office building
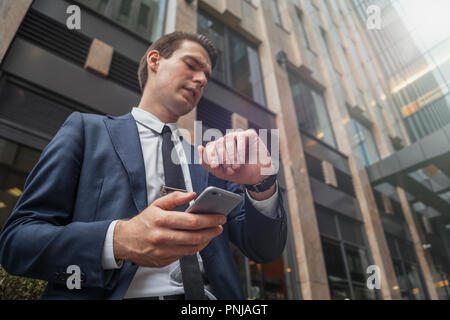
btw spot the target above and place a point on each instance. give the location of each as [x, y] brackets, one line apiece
[358, 91]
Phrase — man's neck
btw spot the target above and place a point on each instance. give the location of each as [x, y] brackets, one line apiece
[157, 110]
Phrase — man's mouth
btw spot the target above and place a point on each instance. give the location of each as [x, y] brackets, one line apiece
[192, 92]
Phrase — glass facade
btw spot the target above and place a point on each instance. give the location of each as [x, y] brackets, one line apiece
[406, 268]
[413, 46]
[238, 64]
[143, 17]
[346, 256]
[261, 281]
[16, 162]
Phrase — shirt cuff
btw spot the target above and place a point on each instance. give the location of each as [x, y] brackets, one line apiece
[108, 260]
[268, 207]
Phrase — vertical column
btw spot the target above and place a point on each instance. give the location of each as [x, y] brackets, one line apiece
[308, 245]
[339, 118]
[12, 13]
[425, 260]
[374, 230]
[372, 223]
[305, 231]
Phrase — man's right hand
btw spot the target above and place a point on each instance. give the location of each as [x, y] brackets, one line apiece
[157, 236]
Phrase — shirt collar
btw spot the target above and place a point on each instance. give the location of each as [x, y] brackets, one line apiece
[150, 121]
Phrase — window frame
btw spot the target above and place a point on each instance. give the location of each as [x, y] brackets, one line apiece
[364, 155]
[276, 14]
[301, 23]
[399, 259]
[293, 74]
[228, 32]
[117, 19]
[343, 244]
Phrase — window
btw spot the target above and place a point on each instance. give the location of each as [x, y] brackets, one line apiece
[345, 254]
[143, 17]
[357, 263]
[16, 162]
[351, 231]
[261, 281]
[323, 34]
[215, 31]
[311, 109]
[276, 12]
[406, 268]
[337, 278]
[326, 222]
[102, 5]
[237, 62]
[345, 270]
[244, 66]
[125, 8]
[366, 143]
[144, 13]
[302, 29]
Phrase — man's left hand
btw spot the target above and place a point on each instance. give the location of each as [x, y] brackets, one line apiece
[240, 157]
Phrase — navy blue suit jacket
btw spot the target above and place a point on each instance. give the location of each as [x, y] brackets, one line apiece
[92, 173]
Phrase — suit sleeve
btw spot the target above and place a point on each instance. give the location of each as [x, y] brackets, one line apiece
[40, 240]
[260, 237]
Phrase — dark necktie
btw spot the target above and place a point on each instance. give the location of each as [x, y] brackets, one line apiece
[190, 270]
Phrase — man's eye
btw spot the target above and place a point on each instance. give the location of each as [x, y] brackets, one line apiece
[190, 66]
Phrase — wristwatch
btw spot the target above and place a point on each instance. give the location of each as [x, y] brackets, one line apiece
[263, 185]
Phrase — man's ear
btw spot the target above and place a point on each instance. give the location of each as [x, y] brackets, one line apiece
[153, 59]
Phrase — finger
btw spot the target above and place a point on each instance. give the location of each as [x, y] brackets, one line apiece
[174, 253]
[173, 200]
[201, 150]
[211, 156]
[203, 158]
[251, 139]
[151, 262]
[264, 156]
[172, 238]
[219, 145]
[230, 146]
[218, 171]
[241, 148]
[189, 221]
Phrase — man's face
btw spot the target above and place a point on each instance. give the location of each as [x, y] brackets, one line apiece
[180, 79]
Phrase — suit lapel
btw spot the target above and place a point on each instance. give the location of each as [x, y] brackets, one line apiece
[127, 144]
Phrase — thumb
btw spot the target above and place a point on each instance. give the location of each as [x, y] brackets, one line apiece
[173, 200]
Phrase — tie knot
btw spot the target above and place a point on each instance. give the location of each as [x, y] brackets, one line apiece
[166, 129]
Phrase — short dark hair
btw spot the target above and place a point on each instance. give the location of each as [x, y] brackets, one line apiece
[167, 44]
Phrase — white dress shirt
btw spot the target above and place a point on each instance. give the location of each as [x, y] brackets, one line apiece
[149, 282]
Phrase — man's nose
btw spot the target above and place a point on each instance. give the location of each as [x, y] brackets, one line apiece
[201, 79]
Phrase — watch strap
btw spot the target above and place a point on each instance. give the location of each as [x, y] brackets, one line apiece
[264, 185]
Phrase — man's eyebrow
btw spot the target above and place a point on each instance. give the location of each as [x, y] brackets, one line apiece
[201, 64]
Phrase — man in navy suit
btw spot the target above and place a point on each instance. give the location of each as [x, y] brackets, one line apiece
[93, 199]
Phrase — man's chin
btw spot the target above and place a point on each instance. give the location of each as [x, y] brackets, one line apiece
[185, 109]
